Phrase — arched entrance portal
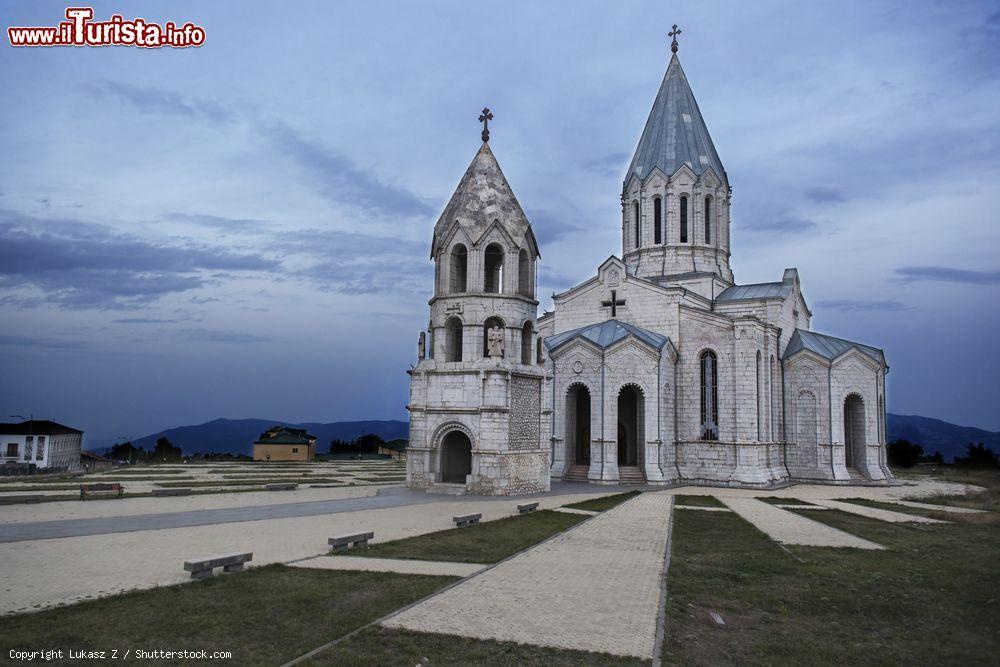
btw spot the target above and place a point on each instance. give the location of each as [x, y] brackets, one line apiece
[578, 423]
[854, 430]
[630, 425]
[456, 457]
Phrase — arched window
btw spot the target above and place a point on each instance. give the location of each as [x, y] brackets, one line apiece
[709, 396]
[493, 269]
[760, 394]
[539, 359]
[487, 325]
[775, 383]
[453, 339]
[526, 335]
[684, 219]
[657, 221]
[524, 282]
[635, 218]
[459, 269]
[708, 219]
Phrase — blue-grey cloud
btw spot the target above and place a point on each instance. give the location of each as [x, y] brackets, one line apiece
[784, 223]
[15, 340]
[144, 320]
[221, 223]
[860, 305]
[823, 195]
[78, 264]
[950, 275]
[152, 99]
[339, 179]
[549, 226]
[611, 164]
[219, 336]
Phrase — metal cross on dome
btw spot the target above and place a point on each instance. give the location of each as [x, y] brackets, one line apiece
[673, 35]
[485, 117]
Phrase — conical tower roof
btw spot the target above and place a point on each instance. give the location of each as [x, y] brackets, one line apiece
[675, 133]
[483, 197]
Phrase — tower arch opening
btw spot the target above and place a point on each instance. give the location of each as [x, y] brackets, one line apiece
[458, 282]
[456, 457]
[854, 430]
[493, 269]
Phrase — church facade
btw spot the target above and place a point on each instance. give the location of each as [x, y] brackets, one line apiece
[657, 369]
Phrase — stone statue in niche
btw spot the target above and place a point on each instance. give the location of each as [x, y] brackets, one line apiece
[422, 345]
[494, 342]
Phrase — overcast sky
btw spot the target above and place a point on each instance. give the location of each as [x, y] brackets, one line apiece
[242, 229]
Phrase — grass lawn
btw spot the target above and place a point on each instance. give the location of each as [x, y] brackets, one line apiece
[264, 616]
[698, 501]
[384, 646]
[930, 598]
[488, 542]
[777, 500]
[605, 502]
[253, 482]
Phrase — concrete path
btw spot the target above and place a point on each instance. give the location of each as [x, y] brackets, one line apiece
[574, 510]
[595, 587]
[401, 565]
[703, 508]
[876, 512]
[801, 507]
[937, 508]
[790, 528]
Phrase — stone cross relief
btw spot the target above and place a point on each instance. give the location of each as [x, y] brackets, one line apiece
[494, 342]
[613, 303]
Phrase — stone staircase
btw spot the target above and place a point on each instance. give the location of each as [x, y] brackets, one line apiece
[630, 475]
[576, 473]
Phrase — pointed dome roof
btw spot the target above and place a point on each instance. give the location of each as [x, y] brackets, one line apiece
[482, 197]
[675, 133]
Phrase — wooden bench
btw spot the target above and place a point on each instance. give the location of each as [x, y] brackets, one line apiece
[282, 486]
[171, 492]
[527, 507]
[12, 500]
[466, 520]
[356, 540]
[202, 567]
[101, 489]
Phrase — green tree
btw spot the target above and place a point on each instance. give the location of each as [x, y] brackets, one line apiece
[165, 451]
[903, 453]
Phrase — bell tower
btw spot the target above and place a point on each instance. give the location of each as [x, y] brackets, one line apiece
[476, 424]
[676, 195]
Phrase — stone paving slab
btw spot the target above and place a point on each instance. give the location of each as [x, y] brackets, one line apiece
[790, 528]
[876, 512]
[575, 510]
[938, 508]
[595, 587]
[401, 565]
[802, 507]
[702, 508]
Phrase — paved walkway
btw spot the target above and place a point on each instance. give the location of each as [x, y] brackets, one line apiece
[595, 587]
[876, 512]
[401, 565]
[939, 508]
[790, 528]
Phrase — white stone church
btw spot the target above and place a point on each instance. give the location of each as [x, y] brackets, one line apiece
[657, 369]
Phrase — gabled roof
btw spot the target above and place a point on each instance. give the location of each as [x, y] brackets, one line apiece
[483, 196]
[36, 427]
[283, 435]
[756, 291]
[828, 347]
[675, 133]
[606, 334]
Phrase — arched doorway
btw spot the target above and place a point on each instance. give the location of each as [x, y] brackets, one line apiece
[630, 425]
[456, 457]
[854, 430]
[578, 423]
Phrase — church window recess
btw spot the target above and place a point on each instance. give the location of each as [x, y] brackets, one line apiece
[760, 411]
[459, 269]
[453, 339]
[635, 218]
[527, 335]
[493, 269]
[708, 220]
[709, 396]
[684, 219]
[657, 221]
[524, 286]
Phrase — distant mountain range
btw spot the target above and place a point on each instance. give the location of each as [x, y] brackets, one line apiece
[236, 436]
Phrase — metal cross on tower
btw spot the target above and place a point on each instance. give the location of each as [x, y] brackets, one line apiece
[673, 35]
[613, 303]
[485, 117]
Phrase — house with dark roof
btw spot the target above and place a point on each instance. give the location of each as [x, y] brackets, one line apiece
[283, 443]
[40, 442]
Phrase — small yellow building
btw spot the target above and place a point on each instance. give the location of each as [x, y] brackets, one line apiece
[281, 443]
